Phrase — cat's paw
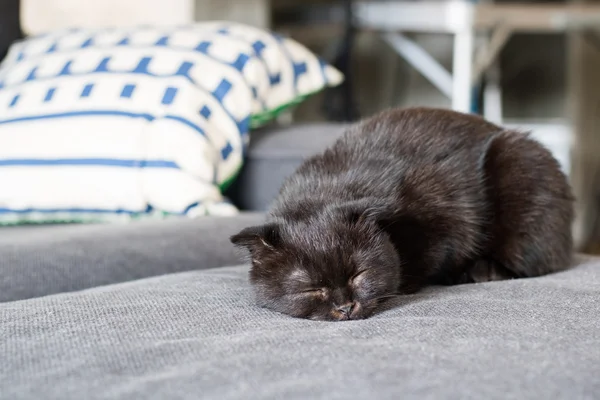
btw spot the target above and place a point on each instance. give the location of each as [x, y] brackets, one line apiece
[486, 270]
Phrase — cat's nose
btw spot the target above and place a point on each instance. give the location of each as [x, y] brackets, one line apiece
[346, 309]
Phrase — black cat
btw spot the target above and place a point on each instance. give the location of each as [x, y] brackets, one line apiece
[405, 199]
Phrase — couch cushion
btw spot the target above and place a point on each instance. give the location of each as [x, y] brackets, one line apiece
[198, 335]
[41, 260]
[274, 153]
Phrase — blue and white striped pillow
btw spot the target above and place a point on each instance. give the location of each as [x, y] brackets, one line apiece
[105, 124]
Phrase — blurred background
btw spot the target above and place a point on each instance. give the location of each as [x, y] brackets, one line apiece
[534, 65]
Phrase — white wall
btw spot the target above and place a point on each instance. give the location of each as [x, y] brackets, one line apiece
[43, 15]
[39, 16]
[252, 12]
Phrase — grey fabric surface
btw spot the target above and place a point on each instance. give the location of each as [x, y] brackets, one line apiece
[197, 335]
[41, 260]
[274, 153]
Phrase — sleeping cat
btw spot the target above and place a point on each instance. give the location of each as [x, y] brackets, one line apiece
[408, 198]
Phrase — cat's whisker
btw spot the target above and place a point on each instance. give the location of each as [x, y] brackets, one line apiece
[390, 296]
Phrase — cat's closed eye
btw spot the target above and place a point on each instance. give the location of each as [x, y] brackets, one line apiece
[357, 278]
[317, 292]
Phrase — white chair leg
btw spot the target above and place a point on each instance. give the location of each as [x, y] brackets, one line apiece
[421, 60]
[462, 69]
[492, 95]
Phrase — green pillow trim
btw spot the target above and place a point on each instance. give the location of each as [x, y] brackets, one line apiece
[263, 118]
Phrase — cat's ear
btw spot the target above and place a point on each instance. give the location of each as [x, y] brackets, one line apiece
[364, 210]
[264, 237]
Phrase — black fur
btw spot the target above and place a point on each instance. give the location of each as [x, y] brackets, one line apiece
[405, 199]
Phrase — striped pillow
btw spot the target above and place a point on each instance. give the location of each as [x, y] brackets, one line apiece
[121, 123]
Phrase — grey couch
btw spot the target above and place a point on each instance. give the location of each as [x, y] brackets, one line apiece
[163, 310]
